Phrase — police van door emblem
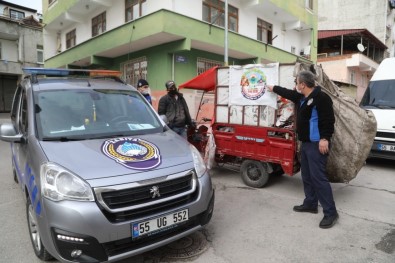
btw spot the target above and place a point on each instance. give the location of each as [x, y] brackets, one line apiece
[154, 191]
[133, 153]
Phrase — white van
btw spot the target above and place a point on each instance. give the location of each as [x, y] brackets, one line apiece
[379, 97]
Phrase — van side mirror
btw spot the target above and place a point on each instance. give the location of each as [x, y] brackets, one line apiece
[8, 133]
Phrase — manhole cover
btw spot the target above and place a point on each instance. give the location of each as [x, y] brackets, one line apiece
[187, 247]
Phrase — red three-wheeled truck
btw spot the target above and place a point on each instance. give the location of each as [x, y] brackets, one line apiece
[260, 140]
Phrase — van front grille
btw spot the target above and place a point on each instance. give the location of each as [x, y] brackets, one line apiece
[138, 202]
[386, 135]
[141, 195]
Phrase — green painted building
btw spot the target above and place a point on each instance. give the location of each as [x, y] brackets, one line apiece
[160, 40]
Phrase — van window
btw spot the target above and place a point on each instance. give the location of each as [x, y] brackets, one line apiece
[23, 117]
[15, 104]
[380, 94]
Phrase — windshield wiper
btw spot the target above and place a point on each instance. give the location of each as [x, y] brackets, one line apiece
[110, 136]
[63, 139]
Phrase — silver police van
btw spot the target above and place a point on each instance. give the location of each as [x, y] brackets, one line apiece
[104, 177]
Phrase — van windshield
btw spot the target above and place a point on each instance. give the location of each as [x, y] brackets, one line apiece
[89, 114]
[380, 94]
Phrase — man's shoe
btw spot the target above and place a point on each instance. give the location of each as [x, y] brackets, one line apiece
[302, 208]
[329, 221]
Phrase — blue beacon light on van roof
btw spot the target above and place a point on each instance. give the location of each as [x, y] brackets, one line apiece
[67, 72]
[46, 71]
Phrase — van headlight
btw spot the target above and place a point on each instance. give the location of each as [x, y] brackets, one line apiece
[59, 184]
[200, 167]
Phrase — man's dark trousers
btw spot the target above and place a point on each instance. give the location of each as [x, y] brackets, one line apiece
[315, 183]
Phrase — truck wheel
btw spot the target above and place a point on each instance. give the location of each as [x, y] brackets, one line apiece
[34, 232]
[254, 173]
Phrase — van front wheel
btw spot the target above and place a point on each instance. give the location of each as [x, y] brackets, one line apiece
[34, 232]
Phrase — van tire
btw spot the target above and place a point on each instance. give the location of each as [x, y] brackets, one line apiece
[254, 173]
[34, 233]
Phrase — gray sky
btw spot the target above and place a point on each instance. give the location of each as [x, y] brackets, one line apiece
[35, 4]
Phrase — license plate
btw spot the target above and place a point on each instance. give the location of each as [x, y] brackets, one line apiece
[384, 147]
[158, 224]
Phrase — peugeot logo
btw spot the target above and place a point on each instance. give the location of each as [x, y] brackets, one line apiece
[154, 191]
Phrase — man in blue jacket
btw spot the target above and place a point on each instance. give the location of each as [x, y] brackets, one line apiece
[315, 126]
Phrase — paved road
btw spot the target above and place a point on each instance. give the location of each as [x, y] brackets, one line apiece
[257, 225]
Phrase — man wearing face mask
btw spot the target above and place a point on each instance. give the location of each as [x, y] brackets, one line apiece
[174, 106]
[143, 88]
[315, 126]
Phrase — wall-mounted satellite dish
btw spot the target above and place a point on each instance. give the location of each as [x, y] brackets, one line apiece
[360, 47]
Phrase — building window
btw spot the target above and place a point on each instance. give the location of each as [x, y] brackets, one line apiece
[352, 77]
[70, 39]
[293, 49]
[309, 4]
[214, 13]
[135, 69]
[1, 51]
[40, 54]
[134, 9]
[17, 15]
[99, 24]
[264, 31]
[205, 64]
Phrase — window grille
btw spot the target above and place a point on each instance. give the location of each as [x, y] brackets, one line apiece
[135, 69]
[204, 64]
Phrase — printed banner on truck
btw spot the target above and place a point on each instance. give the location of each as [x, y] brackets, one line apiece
[248, 84]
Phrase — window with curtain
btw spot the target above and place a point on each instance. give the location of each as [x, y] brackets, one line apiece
[70, 39]
[17, 15]
[99, 24]
[264, 31]
[134, 9]
[214, 13]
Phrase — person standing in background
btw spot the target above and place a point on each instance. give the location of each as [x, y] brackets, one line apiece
[143, 88]
[175, 108]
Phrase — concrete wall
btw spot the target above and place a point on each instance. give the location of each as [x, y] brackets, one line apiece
[338, 71]
[19, 44]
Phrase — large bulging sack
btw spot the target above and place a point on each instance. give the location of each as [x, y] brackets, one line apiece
[355, 129]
